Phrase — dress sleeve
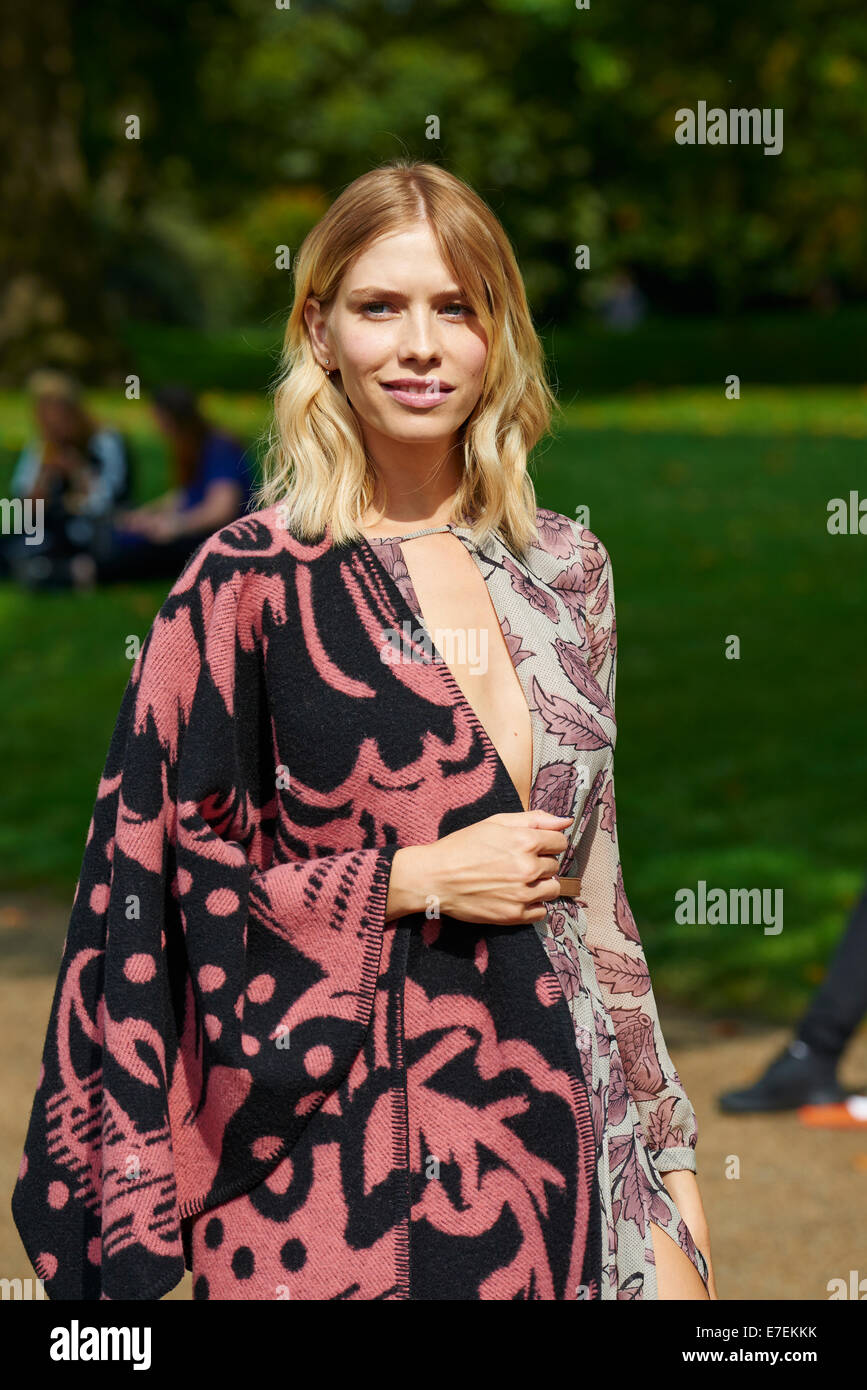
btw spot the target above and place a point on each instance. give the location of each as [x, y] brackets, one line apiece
[208, 999]
[666, 1114]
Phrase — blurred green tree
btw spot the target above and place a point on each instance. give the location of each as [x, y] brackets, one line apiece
[253, 118]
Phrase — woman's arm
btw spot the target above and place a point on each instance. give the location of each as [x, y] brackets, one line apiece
[665, 1111]
[682, 1187]
[140, 518]
[209, 999]
[612, 936]
[166, 502]
[404, 894]
[218, 508]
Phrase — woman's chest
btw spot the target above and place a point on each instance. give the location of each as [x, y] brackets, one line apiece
[390, 707]
[445, 587]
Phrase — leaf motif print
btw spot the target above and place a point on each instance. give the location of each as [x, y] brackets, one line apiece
[593, 565]
[569, 585]
[535, 596]
[661, 1133]
[590, 802]
[631, 1186]
[599, 648]
[621, 973]
[623, 912]
[608, 819]
[618, 1150]
[603, 1037]
[555, 788]
[598, 1108]
[637, 1199]
[568, 972]
[687, 1243]
[390, 555]
[571, 725]
[556, 923]
[631, 1290]
[618, 1091]
[514, 642]
[659, 1209]
[613, 1274]
[635, 1037]
[574, 663]
[556, 532]
[601, 601]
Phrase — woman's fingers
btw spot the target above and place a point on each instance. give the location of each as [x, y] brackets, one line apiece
[552, 841]
[545, 868]
[545, 890]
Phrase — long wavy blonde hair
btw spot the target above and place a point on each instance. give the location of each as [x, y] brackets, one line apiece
[316, 465]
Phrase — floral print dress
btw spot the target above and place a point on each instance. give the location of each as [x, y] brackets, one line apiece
[556, 612]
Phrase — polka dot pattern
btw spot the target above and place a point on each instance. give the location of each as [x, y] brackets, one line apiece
[211, 978]
[140, 968]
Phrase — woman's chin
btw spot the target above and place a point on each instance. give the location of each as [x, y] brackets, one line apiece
[405, 428]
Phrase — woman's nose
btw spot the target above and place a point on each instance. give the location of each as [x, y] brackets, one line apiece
[419, 337]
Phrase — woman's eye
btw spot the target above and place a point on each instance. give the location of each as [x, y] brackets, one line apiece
[374, 304]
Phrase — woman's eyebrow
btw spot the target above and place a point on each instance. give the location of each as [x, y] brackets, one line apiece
[378, 291]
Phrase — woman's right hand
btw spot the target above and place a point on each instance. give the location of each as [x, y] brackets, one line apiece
[500, 870]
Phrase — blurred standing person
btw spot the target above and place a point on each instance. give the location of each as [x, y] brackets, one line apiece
[804, 1074]
[78, 469]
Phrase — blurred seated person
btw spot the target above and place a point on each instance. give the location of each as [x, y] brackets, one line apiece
[79, 471]
[214, 486]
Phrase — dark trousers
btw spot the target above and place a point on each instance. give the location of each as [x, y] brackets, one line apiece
[64, 534]
[840, 1002]
[123, 557]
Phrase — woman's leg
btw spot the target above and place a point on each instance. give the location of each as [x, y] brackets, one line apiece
[840, 1002]
[676, 1275]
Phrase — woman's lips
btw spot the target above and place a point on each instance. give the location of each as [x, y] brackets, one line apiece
[421, 395]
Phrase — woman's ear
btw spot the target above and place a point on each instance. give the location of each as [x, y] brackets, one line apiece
[317, 329]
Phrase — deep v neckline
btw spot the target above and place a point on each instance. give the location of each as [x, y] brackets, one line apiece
[439, 662]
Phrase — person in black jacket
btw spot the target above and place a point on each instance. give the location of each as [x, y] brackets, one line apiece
[76, 472]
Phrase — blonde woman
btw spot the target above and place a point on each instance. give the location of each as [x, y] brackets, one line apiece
[352, 1003]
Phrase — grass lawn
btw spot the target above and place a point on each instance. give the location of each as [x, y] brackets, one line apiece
[744, 773]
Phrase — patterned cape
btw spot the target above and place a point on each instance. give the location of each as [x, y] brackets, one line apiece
[230, 995]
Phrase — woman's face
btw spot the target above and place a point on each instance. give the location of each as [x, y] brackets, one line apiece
[60, 421]
[409, 349]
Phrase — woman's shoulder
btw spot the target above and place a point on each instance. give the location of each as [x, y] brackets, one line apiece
[221, 596]
[245, 562]
[255, 540]
[577, 552]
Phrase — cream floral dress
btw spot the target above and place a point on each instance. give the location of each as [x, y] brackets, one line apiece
[556, 612]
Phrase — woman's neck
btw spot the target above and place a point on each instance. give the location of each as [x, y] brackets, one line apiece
[415, 488]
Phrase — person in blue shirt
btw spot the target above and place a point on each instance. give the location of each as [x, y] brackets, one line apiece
[213, 486]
